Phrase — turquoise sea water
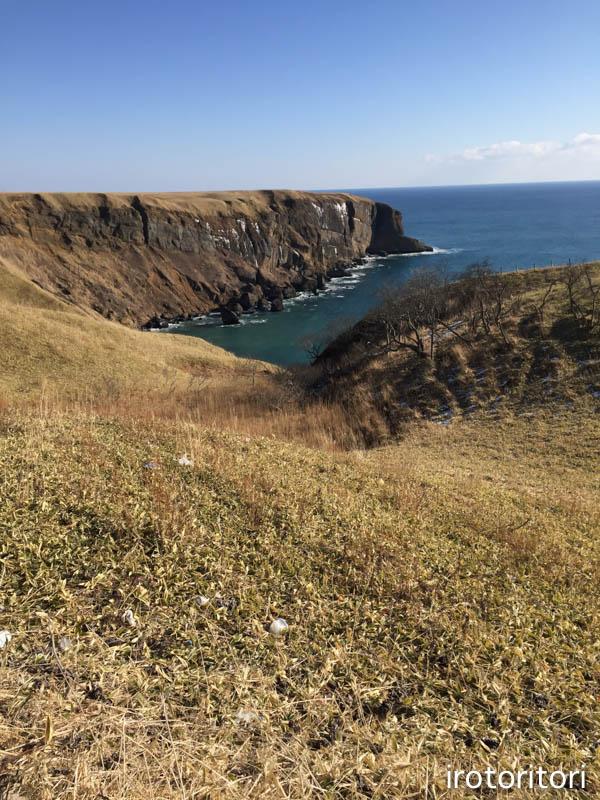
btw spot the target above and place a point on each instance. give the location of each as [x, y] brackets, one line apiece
[511, 225]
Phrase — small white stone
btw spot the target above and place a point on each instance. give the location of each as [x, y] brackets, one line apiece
[246, 717]
[202, 600]
[5, 638]
[129, 619]
[278, 627]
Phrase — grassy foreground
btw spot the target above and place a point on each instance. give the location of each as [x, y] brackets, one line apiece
[441, 595]
[427, 625]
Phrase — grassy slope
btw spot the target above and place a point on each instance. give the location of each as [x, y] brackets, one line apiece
[441, 595]
[47, 342]
[545, 371]
[427, 623]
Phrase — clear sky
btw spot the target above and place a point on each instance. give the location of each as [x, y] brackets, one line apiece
[124, 95]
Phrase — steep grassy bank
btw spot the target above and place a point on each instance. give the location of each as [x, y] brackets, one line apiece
[542, 362]
[57, 355]
[48, 344]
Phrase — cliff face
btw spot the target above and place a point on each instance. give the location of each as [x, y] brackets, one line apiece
[131, 257]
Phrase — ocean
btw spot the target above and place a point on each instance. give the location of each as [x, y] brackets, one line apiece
[512, 225]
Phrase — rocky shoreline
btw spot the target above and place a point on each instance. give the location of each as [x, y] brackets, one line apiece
[254, 298]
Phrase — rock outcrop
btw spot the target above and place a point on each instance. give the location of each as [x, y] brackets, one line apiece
[229, 316]
[133, 258]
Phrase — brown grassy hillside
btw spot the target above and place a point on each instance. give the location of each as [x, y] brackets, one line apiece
[440, 591]
[544, 365]
[50, 345]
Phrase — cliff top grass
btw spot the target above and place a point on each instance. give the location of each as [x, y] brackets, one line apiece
[206, 203]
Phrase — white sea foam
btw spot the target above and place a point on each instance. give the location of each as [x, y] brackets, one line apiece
[437, 251]
[344, 283]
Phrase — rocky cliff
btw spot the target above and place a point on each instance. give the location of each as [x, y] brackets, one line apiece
[135, 257]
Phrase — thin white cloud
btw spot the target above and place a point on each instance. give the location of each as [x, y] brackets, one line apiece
[583, 140]
[508, 150]
[587, 144]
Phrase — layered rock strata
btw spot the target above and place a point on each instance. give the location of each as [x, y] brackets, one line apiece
[143, 258]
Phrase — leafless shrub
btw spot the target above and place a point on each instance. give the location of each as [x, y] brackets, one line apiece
[487, 300]
[412, 315]
[430, 307]
[583, 296]
[541, 304]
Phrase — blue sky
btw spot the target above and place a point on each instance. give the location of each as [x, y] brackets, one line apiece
[149, 96]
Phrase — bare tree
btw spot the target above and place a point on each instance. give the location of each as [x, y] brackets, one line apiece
[486, 299]
[316, 344]
[412, 315]
[428, 308]
[584, 297]
[313, 346]
[541, 305]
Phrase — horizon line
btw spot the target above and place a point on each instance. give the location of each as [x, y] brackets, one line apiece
[289, 189]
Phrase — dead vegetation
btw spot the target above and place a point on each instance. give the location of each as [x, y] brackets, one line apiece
[441, 591]
[426, 614]
[520, 343]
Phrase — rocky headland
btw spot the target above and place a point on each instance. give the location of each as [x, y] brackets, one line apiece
[143, 259]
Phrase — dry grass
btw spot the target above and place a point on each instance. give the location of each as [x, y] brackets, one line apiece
[48, 344]
[201, 203]
[441, 592]
[545, 369]
[420, 626]
[58, 356]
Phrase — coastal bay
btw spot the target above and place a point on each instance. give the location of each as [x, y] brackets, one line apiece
[512, 225]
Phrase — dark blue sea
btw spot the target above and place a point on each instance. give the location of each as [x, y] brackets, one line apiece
[512, 225]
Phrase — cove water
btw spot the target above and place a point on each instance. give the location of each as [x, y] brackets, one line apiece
[512, 225]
